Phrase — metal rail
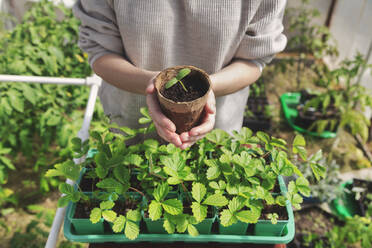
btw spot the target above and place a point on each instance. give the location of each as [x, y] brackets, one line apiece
[94, 82]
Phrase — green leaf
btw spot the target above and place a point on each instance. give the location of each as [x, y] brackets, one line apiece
[133, 159]
[134, 215]
[16, 101]
[69, 170]
[227, 218]
[236, 204]
[53, 120]
[173, 180]
[318, 170]
[131, 230]
[199, 211]
[119, 224]
[217, 200]
[122, 174]
[107, 205]
[155, 210]
[316, 157]
[217, 136]
[298, 146]
[170, 83]
[263, 136]
[63, 201]
[172, 206]
[183, 73]
[95, 215]
[213, 172]
[198, 191]
[161, 191]
[169, 227]
[109, 215]
[191, 229]
[181, 223]
[66, 188]
[248, 216]
[111, 185]
[302, 185]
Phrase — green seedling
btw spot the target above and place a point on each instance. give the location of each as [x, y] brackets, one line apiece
[181, 74]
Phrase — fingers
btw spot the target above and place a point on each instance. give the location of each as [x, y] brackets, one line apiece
[157, 115]
[164, 127]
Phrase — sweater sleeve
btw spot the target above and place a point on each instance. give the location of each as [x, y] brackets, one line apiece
[99, 33]
[264, 34]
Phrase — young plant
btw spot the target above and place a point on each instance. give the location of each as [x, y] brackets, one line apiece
[177, 79]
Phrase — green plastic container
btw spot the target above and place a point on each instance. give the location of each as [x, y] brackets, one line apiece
[265, 228]
[154, 226]
[286, 237]
[239, 228]
[289, 103]
[83, 226]
[345, 206]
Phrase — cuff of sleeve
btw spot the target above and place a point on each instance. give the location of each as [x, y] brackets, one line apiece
[259, 63]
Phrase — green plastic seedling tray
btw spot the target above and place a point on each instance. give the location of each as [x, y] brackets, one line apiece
[289, 103]
[287, 236]
[344, 207]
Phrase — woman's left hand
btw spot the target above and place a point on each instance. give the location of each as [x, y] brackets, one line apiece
[207, 124]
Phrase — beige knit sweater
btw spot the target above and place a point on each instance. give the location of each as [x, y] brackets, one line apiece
[156, 34]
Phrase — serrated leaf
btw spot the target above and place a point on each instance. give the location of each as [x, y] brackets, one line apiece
[95, 215]
[248, 216]
[236, 204]
[66, 188]
[227, 218]
[217, 200]
[53, 173]
[107, 205]
[217, 136]
[53, 120]
[133, 159]
[299, 140]
[316, 156]
[109, 215]
[199, 211]
[263, 136]
[122, 174]
[319, 170]
[172, 206]
[198, 191]
[173, 180]
[131, 230]
[169, 227]
[69, 170]
[213, 172]
[155, 210]
[214, 185]
[302, 185]
[161, 191]
[119, 224]
[134, 215]
[191, 229]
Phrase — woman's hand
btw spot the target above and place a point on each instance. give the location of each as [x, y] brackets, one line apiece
[207, 123]
[166, 129]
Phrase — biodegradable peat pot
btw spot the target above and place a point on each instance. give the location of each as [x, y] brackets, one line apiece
[185, 114]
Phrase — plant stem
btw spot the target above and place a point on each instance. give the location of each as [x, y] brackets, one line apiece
[186, 191]
[183, 86]
[138, 191]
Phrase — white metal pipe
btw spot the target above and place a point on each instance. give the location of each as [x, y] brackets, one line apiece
[43, 80]
[83, 134]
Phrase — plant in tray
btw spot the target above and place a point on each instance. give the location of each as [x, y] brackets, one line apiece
[342, 101]
[229, 176]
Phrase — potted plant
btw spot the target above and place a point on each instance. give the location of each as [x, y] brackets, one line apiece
[182, 92]
[339, 106]
[234, 177]
[258, 112]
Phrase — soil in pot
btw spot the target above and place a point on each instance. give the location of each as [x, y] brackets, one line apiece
[281, 211]
[88, 184]
[306, 119]
[194, 86]
[362, 200]
[82, 210]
